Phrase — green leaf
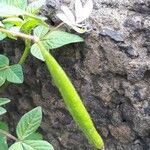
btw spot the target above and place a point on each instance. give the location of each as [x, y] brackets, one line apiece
[41, 31]
[35, 6]
[4, 101]
[2, 111]
[29, 123]
[14, 74]
[31, 145]
[34, 136]
[38, 145]
[58, 39]
[35, 51]
[4, 61]
[7, 11]
[3, 144]
[17, 146]
[14, 20]
[3, 138]
[52, 40]
[29, 25]
[2, 81]
[17, 3]
[4, 126]
[2, 36]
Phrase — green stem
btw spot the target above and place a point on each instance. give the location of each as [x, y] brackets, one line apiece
[72, 99]
[26, 52]
[8, 135]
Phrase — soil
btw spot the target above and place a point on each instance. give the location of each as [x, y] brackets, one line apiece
[111, 71]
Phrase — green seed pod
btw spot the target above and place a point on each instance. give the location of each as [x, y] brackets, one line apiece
[72, 99]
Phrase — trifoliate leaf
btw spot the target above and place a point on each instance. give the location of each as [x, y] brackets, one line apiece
[35, 51]
[29, 123]
[58, 39]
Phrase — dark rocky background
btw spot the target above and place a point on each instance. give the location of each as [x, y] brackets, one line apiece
[111, 71]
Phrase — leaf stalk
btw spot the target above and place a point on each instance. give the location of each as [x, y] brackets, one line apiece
[8, 135]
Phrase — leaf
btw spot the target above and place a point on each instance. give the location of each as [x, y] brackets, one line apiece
[2, 81]
[3, 144]
[4, 126]
[17, 146]
[2, 111]
[17, 3]
[4, 101]
[38, 18]
[35, 6]
[58, 39]
[13, 29]
[28, 25]
[14, 74]
[7, 11]
[38, 145]
[40, 31]
[29, 123]
[2, 36]
[35, 51]
[4, 61]
[34, 136]
[3, 138]
[13, 20]
[31, 145]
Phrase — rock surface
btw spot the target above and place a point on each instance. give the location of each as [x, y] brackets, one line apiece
[111, 71]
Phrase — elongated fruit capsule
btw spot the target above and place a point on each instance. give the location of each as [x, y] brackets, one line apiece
[72, 99]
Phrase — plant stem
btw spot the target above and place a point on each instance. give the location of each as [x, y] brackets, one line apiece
[26, 51]
[8, 135]
[19, 34]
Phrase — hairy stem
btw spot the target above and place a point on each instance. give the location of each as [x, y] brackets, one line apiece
[19, 34]
[8, 135]
[26, 51]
